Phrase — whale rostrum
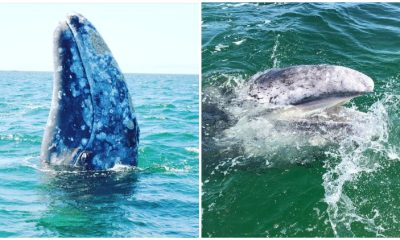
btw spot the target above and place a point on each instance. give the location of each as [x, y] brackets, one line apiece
[91, 124]
[309, 88]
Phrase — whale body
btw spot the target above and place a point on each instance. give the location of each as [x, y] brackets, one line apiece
[91, 124]
[294, 106]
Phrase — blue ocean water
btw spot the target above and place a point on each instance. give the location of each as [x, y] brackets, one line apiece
[157, 199]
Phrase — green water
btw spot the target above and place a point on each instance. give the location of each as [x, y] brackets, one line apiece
[347, 189]
[157, 199]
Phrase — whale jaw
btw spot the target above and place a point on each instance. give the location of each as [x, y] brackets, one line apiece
[91, 124]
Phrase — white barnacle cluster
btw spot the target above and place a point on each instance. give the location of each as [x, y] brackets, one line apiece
[101, 136]
[128, 123]
[99, 125]
[58, 148]
[84, 141]
[74, 90]
[77, 68]
[59, 94]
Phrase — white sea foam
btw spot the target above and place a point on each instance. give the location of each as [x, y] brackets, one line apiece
[122, 168]
[239, 42]
[220, 47]
[275, 54]
[192, 149]
[393, 154]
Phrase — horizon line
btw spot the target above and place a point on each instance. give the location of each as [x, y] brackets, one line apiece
[153, 73]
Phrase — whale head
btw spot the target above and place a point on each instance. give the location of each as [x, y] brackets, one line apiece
[91, 122]
[309, 87]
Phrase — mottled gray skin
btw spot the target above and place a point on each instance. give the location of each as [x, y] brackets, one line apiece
[91, 124]
[309, 97]
[303, 84]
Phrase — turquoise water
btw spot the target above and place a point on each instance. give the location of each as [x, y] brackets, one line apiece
[158, 199]
[255, 185]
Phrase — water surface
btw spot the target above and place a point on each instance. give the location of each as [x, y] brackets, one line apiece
[157, 199]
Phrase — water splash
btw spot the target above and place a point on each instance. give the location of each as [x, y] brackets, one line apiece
[274, 55]
[356, 156]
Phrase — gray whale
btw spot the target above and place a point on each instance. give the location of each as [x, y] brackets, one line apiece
[91, 124]
[294, 106]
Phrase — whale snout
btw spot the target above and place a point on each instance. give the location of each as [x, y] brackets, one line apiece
[349, 80]
[368, 84]
[76, 20]
[69, 25]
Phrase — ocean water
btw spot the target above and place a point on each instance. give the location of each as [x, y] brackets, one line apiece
[261, 182]
[159, 198]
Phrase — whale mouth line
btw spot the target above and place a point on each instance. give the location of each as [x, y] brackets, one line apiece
[335, 95]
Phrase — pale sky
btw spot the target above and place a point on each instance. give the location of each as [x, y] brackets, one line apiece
[144, 38]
